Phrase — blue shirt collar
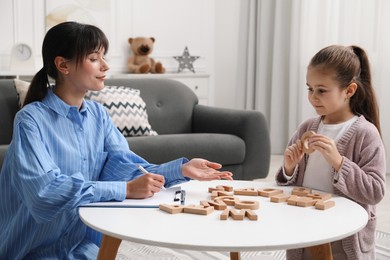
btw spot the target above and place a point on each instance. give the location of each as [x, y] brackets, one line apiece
[59, 106]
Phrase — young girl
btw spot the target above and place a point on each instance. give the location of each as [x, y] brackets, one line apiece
[348, 158]
[66, 152]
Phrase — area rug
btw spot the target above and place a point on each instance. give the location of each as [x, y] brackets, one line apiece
[133, 251]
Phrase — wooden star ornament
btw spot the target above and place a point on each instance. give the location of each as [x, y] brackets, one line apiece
[186, 61]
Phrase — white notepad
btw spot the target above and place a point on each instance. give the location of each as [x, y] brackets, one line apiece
[163, 197]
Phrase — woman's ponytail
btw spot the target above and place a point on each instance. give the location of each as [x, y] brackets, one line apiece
[38, 87]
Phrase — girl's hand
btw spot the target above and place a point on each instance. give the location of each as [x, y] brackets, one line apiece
[144, 186]
[292, 155]
[327, 147]
[203, 170]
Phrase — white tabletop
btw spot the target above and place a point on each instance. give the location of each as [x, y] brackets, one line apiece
[280, 226]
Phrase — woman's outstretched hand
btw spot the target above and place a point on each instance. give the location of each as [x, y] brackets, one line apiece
[203, 170]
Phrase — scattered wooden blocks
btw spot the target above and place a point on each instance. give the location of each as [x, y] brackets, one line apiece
[221, 197]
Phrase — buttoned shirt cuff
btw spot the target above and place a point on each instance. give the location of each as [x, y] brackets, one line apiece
[107, 191]
[173, 172]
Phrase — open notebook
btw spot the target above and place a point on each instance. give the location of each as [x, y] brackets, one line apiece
[163, 197]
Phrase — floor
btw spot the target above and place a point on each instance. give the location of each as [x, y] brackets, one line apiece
[383, 208]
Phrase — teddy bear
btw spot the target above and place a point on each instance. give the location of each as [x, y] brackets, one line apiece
[140, 61]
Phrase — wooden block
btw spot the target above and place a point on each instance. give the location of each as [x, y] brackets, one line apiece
[229, 200]
[292, 200]
[319, 196]
[198, 209]
[218, 188]
[279, 198]
[305, 140]
[305, 202]
[221, 188]
[217, 204]
[225, 214]
[301, 201]
[300, 191]
[246, 192]
[251, 215]
[218, 193]
[323, 205]
[247, 204]
[171, 209]
[226, 188]
[238, 215]
[268, 192]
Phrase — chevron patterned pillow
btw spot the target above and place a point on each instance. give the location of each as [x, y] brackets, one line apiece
[126, 108]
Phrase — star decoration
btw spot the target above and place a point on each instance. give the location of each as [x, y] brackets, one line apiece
[186, 61]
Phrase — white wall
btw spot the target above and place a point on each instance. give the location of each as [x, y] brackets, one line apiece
[175, 24]
[227, 25]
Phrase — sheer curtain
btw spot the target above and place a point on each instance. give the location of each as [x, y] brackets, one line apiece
[281, 36]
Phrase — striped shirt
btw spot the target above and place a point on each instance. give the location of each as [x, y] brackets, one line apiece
[60, 158]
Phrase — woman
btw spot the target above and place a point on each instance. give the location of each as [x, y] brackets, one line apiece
[66, 152]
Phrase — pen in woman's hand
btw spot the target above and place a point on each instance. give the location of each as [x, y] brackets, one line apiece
[142, 169]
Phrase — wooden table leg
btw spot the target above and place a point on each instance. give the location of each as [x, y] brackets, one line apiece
[108, 248]
[321, 252]
[235, 256]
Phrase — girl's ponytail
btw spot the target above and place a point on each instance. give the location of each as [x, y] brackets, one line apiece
[364, 101]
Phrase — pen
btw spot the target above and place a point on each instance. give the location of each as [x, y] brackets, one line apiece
[142, 169]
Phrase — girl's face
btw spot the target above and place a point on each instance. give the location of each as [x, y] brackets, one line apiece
[91, 73]
[326, 96]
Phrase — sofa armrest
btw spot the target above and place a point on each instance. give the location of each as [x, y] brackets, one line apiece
[249, 125]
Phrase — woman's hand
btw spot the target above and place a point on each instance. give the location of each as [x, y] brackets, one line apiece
[292, 155]
[203, 170]
[144, 186]
[327, 147]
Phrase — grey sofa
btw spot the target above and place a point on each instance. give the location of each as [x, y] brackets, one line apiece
[238, 139]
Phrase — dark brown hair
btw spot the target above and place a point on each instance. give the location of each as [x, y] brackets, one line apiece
[351, 65]
[70, 40]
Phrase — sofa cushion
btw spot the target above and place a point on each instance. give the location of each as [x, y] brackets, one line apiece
[126, 108]
[221, 148]
[170, 103]
[21, 88]
[8, 108]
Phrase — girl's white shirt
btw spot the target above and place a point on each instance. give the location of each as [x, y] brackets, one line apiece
[319, 174]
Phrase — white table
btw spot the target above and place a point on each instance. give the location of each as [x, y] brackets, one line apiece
[280, 226]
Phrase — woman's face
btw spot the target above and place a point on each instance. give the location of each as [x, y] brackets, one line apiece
[326, 95]
[91, 73]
